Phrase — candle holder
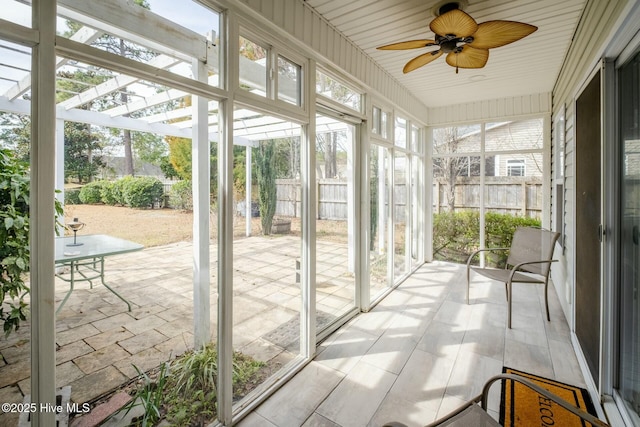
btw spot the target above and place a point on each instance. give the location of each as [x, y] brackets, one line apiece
[75, 225]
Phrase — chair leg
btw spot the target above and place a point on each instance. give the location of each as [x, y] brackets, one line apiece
[546, 299]
[468, 283]
[509, 300]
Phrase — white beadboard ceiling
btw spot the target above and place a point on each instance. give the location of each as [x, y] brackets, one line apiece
[528, 66]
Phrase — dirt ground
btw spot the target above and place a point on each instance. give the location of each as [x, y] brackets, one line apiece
[155, 227]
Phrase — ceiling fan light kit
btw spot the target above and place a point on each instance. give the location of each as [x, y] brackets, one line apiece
[465, 42]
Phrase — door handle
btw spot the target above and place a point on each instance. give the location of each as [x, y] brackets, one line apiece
[635, 234]
[600, 233]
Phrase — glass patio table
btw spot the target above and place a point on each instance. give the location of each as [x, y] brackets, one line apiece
[85, 258]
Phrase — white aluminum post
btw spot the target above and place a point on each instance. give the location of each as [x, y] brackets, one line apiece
[247, 186]
[60, 162]
[229, 50]
[201, 159]
[43, 170]
[351, 219]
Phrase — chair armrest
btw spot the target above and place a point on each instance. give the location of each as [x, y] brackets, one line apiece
[483, 250]
[547, 394]
[518, 266]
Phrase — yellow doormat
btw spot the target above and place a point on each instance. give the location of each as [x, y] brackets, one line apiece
[521, 406]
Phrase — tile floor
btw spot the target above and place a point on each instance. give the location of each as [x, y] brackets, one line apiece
[422, 352]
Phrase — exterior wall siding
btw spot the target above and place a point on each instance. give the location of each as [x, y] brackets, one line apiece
[494, 109]
[593, 33]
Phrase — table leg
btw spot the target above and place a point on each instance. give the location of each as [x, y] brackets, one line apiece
[109, 287]
[66, 297]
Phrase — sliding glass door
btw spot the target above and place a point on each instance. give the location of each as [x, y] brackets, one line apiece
[628, 386]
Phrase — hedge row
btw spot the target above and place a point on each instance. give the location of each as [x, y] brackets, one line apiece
[134, 192]
[457, 235]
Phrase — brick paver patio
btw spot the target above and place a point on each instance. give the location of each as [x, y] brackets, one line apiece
[99, 341]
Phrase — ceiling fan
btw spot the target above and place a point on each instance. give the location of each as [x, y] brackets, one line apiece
[465, 42]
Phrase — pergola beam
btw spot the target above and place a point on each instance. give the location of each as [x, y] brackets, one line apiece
[114, 84]
[139, 25]
[20, 106]
[83, 35]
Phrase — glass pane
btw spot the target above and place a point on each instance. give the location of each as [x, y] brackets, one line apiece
[15, 141]
[460, 139]
[333, 89]
[379, 218]
[384, 123]
[266, 248]
[187, 33]
[629, 326]
[101, 343]
[16, 11]
[415, 139]
[514, 185]
[515, 135]
[335, 226]
[15, 71]
[400, 132]
[253, 67]
[400, 212]
[415, 210]
[376, 126]
[456, 198]
[289, 78]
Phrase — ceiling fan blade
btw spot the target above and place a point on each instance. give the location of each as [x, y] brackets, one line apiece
[421, 60]
[493, 34]
[410, 44]
[454, 22]
[469, 57]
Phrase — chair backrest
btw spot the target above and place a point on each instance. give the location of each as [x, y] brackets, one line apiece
[533, 244]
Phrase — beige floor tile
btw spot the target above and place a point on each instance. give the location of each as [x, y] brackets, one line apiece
[300, 396]
[356, 399]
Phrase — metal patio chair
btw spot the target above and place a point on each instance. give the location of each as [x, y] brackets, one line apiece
[531, 251]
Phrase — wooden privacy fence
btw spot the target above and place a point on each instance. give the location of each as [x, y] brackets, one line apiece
[520, 196]
[331, 204]
[514, 195]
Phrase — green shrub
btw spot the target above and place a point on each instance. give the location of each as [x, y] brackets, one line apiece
[181, 195]
[14, 235]
[107, 194]
[118, 189]
[72, 196]
[142, 192]
[91, 193]
[457, 235]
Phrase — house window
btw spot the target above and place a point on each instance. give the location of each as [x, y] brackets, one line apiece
[515, 167]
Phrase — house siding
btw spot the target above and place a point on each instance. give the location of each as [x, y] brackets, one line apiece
[594, 31]
[493, 109]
